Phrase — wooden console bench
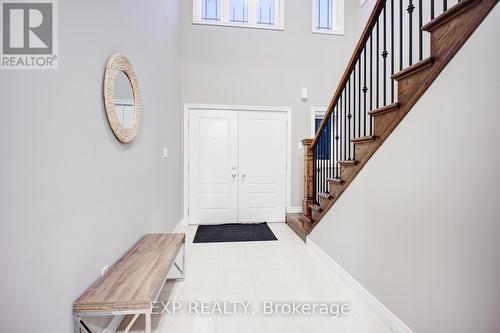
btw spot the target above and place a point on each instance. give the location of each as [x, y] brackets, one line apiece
[133, 284]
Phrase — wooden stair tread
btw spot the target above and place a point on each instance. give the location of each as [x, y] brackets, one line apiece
[449, 14]
[325, 195]
[385, 109]
[348, 163]
[316, 207]
[415, 68]
[364, 139]
[337, 181]
[296, 222]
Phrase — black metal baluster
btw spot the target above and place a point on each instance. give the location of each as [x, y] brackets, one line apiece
[371, 78]
[392, 51]
[334, 143]
[378, 64]
[365, 90]
[360, 118]
[345, 121]
[401, 35]
[320, 181]
[354, 104]
[323, 161]
[432, 10]
[315, 176]
[320, 167]
[337, 137]
[349, 116]
[445, 5]
[384, 56]
[411, 8]
[325, 156]
[420, 32]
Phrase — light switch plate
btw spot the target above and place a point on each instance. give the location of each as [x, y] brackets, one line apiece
[165, 152]
[305, 93]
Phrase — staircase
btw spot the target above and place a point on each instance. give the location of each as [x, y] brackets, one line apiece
[372, 98]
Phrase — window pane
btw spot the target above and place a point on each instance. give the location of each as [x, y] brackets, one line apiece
[266, 12]
[325, 145]
[324, 10]
[238, 10]
[210, 9]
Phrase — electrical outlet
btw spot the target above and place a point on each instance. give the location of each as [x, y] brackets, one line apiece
[104, 270]
[165, 152]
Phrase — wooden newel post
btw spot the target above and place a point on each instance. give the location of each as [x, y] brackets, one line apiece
[308, 177]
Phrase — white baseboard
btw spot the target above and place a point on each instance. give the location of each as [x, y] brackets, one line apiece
[389, 318]
[294, 210]
[179, 225]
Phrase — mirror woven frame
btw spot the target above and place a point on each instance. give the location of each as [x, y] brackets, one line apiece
[116, 63]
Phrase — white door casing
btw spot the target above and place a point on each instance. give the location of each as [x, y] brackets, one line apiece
[262, 166]
[274, 191]
[213, 179]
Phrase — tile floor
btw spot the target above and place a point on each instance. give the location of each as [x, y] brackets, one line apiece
[281, 271]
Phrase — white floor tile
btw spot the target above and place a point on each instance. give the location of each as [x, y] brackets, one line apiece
[205, 251]
[277, 324]
[231, 251]
[234, 273]
[279, 271]
[240, 324]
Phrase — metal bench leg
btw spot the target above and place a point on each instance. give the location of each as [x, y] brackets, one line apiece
[183, 270]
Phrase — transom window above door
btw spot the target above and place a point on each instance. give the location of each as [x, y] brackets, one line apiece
[328, 16]
[262, 14]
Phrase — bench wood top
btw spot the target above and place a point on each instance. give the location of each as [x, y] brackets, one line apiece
[136, 279]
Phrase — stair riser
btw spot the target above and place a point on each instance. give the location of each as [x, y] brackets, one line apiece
[307, 224]
[333, 188]
[406, 86]
[382, 122]
[297, 227]
[347, 171]
[362, 149]
[442, 37]
[315, 215]
[324, 202]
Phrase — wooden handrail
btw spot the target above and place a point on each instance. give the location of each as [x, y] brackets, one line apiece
[372, 21]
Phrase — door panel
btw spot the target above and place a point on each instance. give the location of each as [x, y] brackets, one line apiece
[212, 171]
[262, 166]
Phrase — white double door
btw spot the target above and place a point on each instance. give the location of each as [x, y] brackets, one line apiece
[237, 166]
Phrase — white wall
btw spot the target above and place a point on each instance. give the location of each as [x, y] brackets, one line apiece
[237, 66]
[419, 226]
[72, 198]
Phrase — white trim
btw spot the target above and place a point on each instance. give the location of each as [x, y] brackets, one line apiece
[179, 227]
[252, 19]
[337, 17]
[208, 107]
[389, 318]
[315, 110]
[294, 210]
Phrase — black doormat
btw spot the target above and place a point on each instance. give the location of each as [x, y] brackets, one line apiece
[234, 233]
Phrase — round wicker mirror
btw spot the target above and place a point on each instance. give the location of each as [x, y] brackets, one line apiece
[122, 98]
